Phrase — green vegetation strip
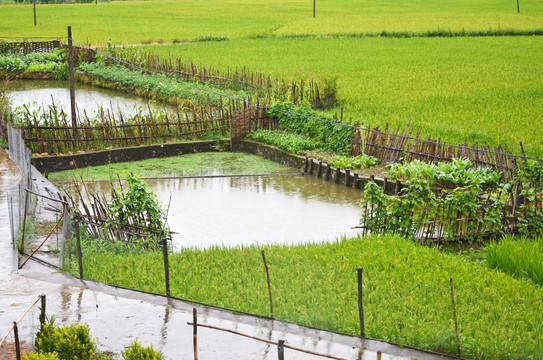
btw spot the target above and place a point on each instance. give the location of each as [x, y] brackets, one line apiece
[406, 291]
[224, 163]
[521, 258]
[160, 85]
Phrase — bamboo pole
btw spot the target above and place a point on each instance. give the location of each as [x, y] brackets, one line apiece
[269, 285]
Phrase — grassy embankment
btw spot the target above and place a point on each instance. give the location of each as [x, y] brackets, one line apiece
[406, 291]
[464, 88]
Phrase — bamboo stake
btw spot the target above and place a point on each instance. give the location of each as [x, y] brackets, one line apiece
[269, 285]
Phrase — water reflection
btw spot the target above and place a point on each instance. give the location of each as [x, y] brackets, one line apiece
[38, 95]
[236, 211]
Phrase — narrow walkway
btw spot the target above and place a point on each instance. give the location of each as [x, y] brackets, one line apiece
[117, 316]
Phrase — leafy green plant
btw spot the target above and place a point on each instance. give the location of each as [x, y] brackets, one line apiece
[317, 125]
[457, 172]
[135, 351]
[356, 162]
[138, 206]
[68, 342]
[34, 355]
[293, 143]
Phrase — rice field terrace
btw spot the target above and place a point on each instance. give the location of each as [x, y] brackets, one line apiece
[464, 72]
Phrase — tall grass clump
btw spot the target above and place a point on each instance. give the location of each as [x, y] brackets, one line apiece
[406, 291]
[522, 258]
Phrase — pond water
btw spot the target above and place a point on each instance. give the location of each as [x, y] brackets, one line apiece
[39, 94]
[235, 211]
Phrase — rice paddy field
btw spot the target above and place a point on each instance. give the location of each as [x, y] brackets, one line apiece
[447, 67]
[406, 291]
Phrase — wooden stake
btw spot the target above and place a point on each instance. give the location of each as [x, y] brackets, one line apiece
[17, 346]
[166, 266]
[454, 316]
[72, 80]
[22, 245]
[281, 349]
[269, 285]
[79, 252]
[34, 6]
[360, 305]
[42, 311]
[195, 332]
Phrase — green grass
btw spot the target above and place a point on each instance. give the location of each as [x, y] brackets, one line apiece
[406, 291]
[185, 165]
[521, 258]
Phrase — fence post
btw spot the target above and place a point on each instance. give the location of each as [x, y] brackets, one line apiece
[79, 253]
[34, 7]
[195, 332]
[347, 177]
[17, 346]
[281, 349]
[454, 317]
[166, 266]
[65, 249]
[22, 245]
[72, 80]
[269, 285]
[42, 311]
[360, 305]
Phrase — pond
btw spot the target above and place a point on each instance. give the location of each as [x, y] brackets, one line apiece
[234, 211]
[39, 94]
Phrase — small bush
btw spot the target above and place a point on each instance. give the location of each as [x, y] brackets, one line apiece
[137, 352]
[40, 356]
[68, 343]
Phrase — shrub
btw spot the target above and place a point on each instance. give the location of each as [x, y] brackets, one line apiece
[137, 352]
[69, 342]
[40, 356]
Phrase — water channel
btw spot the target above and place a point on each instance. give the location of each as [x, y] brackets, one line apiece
[40, 94]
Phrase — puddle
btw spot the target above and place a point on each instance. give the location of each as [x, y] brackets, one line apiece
[36, 95]
[259, 210]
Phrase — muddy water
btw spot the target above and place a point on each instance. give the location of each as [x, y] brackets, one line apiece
[255, 210]
[36, 94]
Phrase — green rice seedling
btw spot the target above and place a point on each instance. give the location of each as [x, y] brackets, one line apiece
[520, 257]
[406, 291]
